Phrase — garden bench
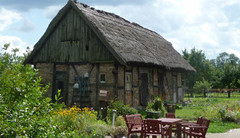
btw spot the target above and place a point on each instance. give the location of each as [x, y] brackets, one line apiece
[135, 124]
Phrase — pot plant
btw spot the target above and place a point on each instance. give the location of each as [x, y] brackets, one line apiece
[155, 108]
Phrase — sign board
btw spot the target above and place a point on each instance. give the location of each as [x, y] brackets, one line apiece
[103, 93]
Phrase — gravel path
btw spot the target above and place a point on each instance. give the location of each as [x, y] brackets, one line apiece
[234, 133]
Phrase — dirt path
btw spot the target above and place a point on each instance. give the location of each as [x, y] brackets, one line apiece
[234, 133]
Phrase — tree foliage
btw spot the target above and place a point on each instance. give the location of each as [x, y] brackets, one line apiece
[222, 72]
[204, 68]
[23, 108]
[201, 86]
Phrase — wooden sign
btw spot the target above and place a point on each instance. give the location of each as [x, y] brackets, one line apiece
[103, 93]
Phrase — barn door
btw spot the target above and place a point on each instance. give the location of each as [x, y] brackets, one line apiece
[60, 84]
[143, 89]
[175, 94]
[160, 84]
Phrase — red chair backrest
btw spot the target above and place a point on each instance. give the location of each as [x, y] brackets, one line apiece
[152, 126]
[199, 121]
[136, 118]
[170, 115]
[205, 122]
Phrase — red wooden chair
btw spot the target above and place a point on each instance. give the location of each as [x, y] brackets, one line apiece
[135, 124]
[154, 128]
[198, 131]
[185, 125]
[170, 115]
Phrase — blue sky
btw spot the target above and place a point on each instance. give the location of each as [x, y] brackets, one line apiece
[212, 26]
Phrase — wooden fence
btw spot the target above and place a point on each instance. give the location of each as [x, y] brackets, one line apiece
[215, 92]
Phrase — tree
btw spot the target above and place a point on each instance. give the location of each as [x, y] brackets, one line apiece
[225, 58]
[204, 67]
[228, 70]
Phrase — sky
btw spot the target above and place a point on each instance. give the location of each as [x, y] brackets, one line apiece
[212, 26]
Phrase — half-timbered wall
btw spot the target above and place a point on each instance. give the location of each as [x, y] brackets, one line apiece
[133, 97]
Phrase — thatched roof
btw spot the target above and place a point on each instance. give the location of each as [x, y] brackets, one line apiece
[131, 42]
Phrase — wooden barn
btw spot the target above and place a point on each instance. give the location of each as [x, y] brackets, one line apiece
[94, 56]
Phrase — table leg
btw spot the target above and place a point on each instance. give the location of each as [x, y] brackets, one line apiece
[170, 128]
[178, 130]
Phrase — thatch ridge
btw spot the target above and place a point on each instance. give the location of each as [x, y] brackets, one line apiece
[133, 42]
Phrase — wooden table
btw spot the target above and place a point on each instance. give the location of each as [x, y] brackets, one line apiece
[173, 121]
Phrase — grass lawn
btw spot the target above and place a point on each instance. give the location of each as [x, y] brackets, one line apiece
[220, 127]
[222, 111]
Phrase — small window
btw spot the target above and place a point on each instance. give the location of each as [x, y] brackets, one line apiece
[102, 78]
[128, 81]
[86, 47]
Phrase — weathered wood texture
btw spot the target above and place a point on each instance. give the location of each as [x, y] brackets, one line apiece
[73, 41]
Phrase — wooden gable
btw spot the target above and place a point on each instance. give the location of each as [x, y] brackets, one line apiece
[72, 41]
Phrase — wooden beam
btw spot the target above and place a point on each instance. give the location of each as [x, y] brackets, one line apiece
[124, 95]
[54, 82]
[97, 84]
[115, 86]
[67, 81]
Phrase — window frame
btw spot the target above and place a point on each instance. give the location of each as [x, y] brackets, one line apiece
[128, 82]
[100, 78]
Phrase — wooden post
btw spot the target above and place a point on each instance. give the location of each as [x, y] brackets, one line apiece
[191, 92]
[204, 93]
[229, 93]
[115, 81]
[54, 82]
[97, 84]
[67, 85]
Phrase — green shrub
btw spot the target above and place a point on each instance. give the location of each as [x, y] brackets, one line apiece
[179, 106]
[96, 130]
[199, 86]
[120, 121]
[119, 131]
[156, 105]
[229, 112]
[25, 112]
[121, 110]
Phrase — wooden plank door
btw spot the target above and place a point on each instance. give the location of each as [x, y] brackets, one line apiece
[160, 84]
[143, 89]
[60, 84]
[175, 94]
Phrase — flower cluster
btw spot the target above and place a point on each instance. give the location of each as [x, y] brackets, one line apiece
[87, 112]
[75, 112]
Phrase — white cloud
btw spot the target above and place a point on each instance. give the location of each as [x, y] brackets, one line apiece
[15, 42]
[235, 52]
[8, 17]
[27, 26]
[211, 26]
[202, 24]
[52, 11]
